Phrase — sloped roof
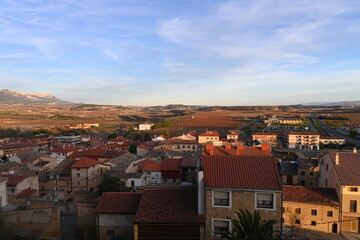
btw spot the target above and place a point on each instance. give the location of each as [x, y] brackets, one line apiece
[171, 164]
[209, 134]
[63, 168]
[14, 179]
[118, 202]
[151, 166]
[84, 162]
[348, 169]
[5, 167]
[244, 172]
[65, 149]
[327, 196]
[26, 193]
[239, 151]
[169, 206]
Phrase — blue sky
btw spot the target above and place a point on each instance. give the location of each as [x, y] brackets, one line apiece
[157, 52]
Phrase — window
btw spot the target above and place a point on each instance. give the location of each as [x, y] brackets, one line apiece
[313, 223]
[298, 210]
[265, 200]
[111, 233]
[297, 221]
[78, 175]
[353, 189]
[329, 213]
[221, 198]
[132, 183]
[353, 206]
[302, 173]
[313, 212]
[311, 173]
[327, 167]
[302, 183]
[221, 227]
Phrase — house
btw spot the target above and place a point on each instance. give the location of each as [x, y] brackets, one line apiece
[231, 183]
[340, 170]
[289, 173]
[13, 149]
[265, 138]
[62, 152]
[70, 140]
[9, 167]
[238, 150]
[308, 172]
[188, 136]
[332, 140]
[175, 144]
[311, 208]
[86, 175]
[145, 126]
[17, 183]
[303, 140]
[3, 192]
[169, 214]
[233, 135]
[208, 137]
[159, 138]
[170, 170]
[115, 214]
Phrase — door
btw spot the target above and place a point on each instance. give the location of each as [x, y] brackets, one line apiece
[334, 228]
[289, 179]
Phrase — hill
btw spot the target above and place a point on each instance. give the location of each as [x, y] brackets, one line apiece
[17, 97]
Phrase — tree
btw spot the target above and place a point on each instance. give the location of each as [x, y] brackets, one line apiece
[147, 137]
[113, 135]
[110, 184]
[165, 133]
[133, 148]
[293, 219]
[247, 226]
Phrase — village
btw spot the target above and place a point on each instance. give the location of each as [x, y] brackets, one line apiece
[294, 170]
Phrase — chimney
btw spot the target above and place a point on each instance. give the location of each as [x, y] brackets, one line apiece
[212, 150]
[264, 147]
[355, 150]
[208, 146]
[337, 158]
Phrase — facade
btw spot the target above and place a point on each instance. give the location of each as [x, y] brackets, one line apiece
[238, 150]
[169, 214]
[332, 140]
[233, 135]
[86, 175]
[308, 172]
[231, 183]
[340, 170]
[145, 126]
[180, 145]
[208, 137]
[61, 153]
[311, 208]
[13, 149]
[72, 139]
[18, 183]
[3, 192]
[115, 215]
[265, 138]
[303, 140]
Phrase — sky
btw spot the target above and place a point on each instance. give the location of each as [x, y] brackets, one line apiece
[198, 52]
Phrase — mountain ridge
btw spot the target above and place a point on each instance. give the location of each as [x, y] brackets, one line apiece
[17, 97]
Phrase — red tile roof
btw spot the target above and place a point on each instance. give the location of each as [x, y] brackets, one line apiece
[14, 179]
[327, 196]
[348, 169]
[152, 167]
[210, 134]
[238, 150]
[170, 164]
[244, 172]
[26, 193]
[65, 149]
[169, 206]
[85, 162]
[118, 202]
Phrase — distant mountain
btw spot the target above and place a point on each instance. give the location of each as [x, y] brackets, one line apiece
[342, 103]
[17, 97]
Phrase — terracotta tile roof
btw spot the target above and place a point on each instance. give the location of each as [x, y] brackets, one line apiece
[41, 163]
[152, 167]
[210, 134]
[168, 206]
[16, 145]
[118, 202]
[84, 162]
[65, 149]
[238, 150]
[14, 179]
[26, 193]
[264, 134]
[143, 163]
[118, 139]
[170, 164]
[144, 147]
[244, 172]
[178, 141]
[63, 168]
[194, 134]
[327, 196]
[9, 165]
[348, 169]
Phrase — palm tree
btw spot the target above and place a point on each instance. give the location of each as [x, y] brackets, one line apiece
[250, 227]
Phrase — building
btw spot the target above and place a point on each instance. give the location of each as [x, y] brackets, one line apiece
[231, 183]
[332, 140]
[208, 137]
[86, 175]
[13, 149]
[308, 172]
[169, 214]
[180, 145]
[233, 135]
[70, 140]
[17, 183]
[303, 140]
[311, 208]
[238, 150]
[3, 192]
[145, 126]
[115, 215]
[61, 153]
[265, 138]
[340, 170]
[289, 173]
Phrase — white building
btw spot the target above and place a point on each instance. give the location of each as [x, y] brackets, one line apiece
[3, 192]
[145, 126]
[303, 140]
